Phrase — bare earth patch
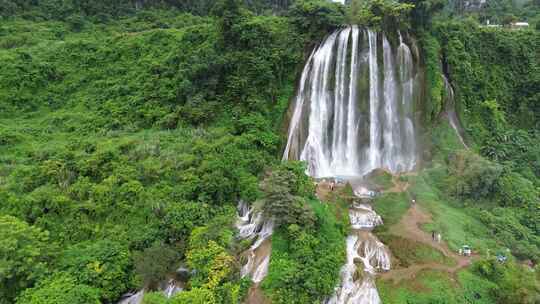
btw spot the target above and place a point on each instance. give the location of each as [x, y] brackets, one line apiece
[409, 228]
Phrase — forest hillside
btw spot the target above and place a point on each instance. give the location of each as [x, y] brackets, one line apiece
[142, 152]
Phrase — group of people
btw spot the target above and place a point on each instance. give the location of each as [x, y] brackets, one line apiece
[331, 185]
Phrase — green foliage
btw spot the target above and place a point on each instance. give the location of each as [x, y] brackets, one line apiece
[77, 160]
[154, 298]
[445, 142]
[215, 279]
[434, 82]
[284, 190]
[305, 264]
[517, 148]
[180, 219]
[154, 264]
[380, 14]
[60, 289]
[391, 207]
[495, 73]
[511, 283]
[213, 265]
[218, 229]
[497, 107]
[101, 264]
[481, 190]
[423, 12]
[427, 287]
[458, 225]
[195, 296]
[471, 175]
[506, 226]
[25, 254]
[381, 178]
[515, 284]
[129, 133]
[316, 17]
[229, 15]
[409, 252]
[517, 191]
[475, 288]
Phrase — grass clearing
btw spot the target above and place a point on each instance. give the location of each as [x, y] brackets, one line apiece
[409, 252]
[391, 207]
[457, 226]
[428, 287]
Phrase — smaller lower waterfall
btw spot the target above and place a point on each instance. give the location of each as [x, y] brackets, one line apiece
[252, 226]
[358, 285]
[450, 110]
[133, 299]
[362, 216]
[168, 288]
[172, 287]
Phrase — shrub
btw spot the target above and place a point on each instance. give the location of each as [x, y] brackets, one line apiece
[517, 191]
[281, 200]
[24, 256]
[154, 264]
[516, 285]
[305, 263]
[181, 218]
[472, 176]
[100, 264]
[60, 289]
[316, 17]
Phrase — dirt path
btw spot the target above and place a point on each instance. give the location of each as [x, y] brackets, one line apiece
[409, 227]
[399, 186]
[322, 189]
[256, 296]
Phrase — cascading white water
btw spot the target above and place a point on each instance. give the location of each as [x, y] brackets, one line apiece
[362, 246]
[169, 288]
[354, 113]
[363, 217]
[350, 118]
[374, 155]
[173, 287]
[450, 110]
[252, 226]
[133, 299]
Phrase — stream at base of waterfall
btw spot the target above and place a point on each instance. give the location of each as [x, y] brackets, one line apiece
[252, 226]
[366, 256]
[169, 288]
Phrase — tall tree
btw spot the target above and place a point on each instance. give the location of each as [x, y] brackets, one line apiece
[24, 255]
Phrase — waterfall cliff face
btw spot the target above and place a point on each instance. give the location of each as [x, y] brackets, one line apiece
[354, 109]
[354, 112]
[450, 111]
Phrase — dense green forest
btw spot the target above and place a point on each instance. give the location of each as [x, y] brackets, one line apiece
[129, 131]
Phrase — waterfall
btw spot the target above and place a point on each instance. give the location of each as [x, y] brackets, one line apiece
[374, 125]
[354, 112]
[169, 288]
[363, 217]
[251, 226]
[354, 109]
[362, 247]
[450, 111]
